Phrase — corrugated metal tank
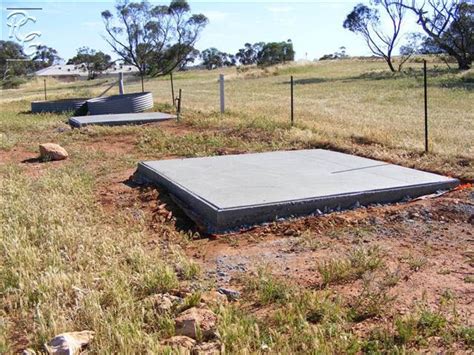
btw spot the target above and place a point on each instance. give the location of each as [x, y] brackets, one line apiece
[76, 105]
[128, 103]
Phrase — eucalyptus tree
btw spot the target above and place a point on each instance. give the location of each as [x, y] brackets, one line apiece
[450, 26]
[366, 21]
[154, 39]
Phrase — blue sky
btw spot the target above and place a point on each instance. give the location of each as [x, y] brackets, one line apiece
[315, 27]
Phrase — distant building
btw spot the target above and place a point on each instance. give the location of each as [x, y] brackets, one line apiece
[72, 72]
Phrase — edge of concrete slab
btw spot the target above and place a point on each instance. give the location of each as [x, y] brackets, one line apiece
[221, 220]
[78, 122]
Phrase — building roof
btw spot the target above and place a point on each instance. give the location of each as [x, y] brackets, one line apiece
[78, 70]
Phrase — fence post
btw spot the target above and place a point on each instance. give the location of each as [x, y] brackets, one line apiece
[292, 110]
[44, 82]
[172, 90]
[178, 108]
[121, 90]
[426, 104]
[221, 89]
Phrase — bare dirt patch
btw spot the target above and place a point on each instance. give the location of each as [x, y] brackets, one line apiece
[427, 244]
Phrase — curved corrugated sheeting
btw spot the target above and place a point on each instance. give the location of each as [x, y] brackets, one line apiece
[76, 105]
[128, 103]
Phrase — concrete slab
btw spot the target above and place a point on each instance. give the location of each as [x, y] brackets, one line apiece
[226, 192]
[120, 119]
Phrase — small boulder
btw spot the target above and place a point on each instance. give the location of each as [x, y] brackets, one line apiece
[69, 343]
[180, 342]
[212, 348]
[213, 298]
[231, 295]
[196, 323]
[162, 303]
[51, 151]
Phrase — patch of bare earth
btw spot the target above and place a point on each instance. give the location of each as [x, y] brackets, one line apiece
[428, 244]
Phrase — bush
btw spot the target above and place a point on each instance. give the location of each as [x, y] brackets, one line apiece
[12, 83]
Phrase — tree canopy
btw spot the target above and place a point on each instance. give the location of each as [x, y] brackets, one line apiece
[92, 61]
[213, 58]
[275, 53]
[45, 55]
[450, 26]
[154, 39]
[366, 21]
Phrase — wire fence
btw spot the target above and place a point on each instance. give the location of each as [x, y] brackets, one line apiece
[415, 112]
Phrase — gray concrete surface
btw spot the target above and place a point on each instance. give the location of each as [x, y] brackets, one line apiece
[226, 192]
[120, 119]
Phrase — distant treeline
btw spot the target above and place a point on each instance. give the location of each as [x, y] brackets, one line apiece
[260, 53]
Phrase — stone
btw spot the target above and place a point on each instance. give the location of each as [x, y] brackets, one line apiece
[213, 298]
[163, 303]
[52, 151]
[196, 322]
[69, 343]
[180, 342]
[211, 348]
[231, 295]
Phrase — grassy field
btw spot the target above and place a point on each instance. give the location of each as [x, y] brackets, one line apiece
[334, 101]
[82, 248]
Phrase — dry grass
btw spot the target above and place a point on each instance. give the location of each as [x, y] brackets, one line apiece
[341, 102]
[67, 264]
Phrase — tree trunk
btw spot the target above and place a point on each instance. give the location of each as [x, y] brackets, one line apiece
[464, 63]
[390, 64]
[143, 85]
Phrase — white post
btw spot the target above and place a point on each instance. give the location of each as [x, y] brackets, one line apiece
[221, 87]
[121, 90]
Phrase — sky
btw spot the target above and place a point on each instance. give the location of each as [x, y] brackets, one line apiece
[315, 27]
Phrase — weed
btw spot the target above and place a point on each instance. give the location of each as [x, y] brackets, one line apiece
[306, 241]
[239, 330]
[358, 261]
[415, 263]
[431, 323]
[371, 301]
[267, 288]
[190, 301]
[466, 334]
[469, 279]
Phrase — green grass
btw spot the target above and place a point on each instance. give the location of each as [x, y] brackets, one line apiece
[357, 262]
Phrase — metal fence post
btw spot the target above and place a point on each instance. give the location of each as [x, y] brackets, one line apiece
[121, 90]
[291, 101]
[426, 104]
[221, 89]
[172, 90]
[178, 108]
[44, 82]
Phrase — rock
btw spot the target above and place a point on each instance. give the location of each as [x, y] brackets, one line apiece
[161, 303]
[51, 151]
[196, 322]
[212, 348]
[69, 343]
[213, 298]
[180, 342]
[230, 294]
